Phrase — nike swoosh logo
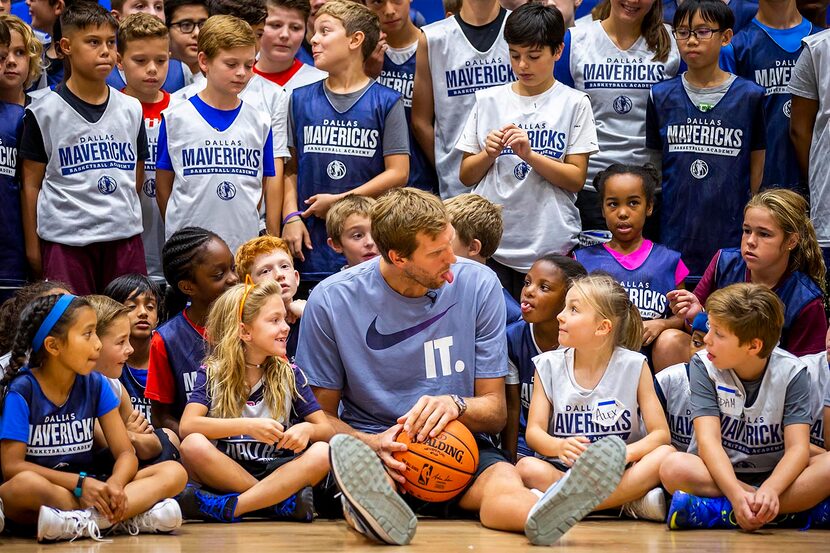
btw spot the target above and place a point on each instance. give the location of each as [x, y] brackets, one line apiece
[377, 341]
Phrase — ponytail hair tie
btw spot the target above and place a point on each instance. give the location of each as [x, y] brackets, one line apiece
[51, 320]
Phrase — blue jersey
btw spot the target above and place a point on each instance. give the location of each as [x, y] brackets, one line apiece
[796, 291]
[56, 436]
[135, 389]
[521, 349]
[336, 152]
[12, 252]
[647, 285]
[401, 78]
[186, 349]
[706, 161]
[743, 10]
[757, 56]
[174, 81]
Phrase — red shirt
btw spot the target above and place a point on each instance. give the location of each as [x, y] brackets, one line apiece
[161, 386]
[281, 77]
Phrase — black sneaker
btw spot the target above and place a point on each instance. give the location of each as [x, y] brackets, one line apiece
[198, 504]
[298, 508]
[364, 484]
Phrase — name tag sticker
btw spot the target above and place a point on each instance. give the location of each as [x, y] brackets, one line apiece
[730, 401]
[607, 412]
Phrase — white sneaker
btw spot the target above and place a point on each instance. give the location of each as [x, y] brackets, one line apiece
[593, 477]
[54, 524]
[2, 517]
[165, 516]
[651, 506]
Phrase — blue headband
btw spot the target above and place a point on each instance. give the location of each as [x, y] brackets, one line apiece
[51, 319]
[701, 323]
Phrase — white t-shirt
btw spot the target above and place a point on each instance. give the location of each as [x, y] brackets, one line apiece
[306, 74]
[261, 94]
[539, 217]
[811, 79]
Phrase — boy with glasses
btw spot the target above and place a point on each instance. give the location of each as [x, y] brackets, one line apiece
[185, 18]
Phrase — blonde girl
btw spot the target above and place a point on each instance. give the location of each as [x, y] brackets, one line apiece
[253, 434]
[597, 385]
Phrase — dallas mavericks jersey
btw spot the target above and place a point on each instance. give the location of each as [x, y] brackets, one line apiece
[796, 290]
[705, 166]
[186, 349]
[458, 70]
[753, 437]
[153, 235]
[178, 76]
[539, 217]
[647, 285]
[672, 386]
[819, 378]
[610, 409]
[385, 351]
[218, 183]
[88, 192]
[135, 390]
[400, 77]
[13, 265]
[61, 437]
[618, 82]
[521, 349]
[760, 59]
[336, 152]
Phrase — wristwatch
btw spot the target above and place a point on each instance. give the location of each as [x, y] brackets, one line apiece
[79, 487]
[460, 403]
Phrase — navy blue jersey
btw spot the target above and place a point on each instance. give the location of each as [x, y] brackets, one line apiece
[12, 252]
[336, 152]
[401, 78]
[514, 310]
[174, 81]
[521, 349]
[706, 162]
[647, 285]
[759, 58]
[135, 389]
[186, 349]
[56, 436]
[744, 11]
[796, 290]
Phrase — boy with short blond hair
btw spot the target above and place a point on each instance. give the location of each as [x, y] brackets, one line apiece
[215, 151]
[83, 148]
[350, 229]
[749, 458]
[285, 29]
[143, 58]
[348, 132]
[250, 11]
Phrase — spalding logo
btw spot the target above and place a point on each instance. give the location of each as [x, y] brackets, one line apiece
[454, 452]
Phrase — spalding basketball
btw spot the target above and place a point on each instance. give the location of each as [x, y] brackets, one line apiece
[439, 468]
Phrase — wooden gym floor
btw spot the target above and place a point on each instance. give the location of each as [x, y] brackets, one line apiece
[435, 536]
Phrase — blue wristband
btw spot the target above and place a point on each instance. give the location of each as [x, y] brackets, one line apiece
[79, 487]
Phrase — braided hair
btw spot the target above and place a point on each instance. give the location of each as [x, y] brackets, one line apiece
[30, 321]
[12, 307]
[179, 256]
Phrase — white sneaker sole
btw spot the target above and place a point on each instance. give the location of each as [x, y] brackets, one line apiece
[593, 477]
[362, 479]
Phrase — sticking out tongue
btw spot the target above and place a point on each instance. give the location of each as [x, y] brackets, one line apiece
[448, 276]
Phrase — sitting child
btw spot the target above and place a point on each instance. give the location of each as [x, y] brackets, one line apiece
[350, 230]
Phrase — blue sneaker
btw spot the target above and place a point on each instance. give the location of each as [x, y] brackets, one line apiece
[198, 504]
[690, 511]
[299, 507]
[819, 516]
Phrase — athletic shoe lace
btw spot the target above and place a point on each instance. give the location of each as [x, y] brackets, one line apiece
[76, 524]
[130, 526]
[286, 507]
[213, 505]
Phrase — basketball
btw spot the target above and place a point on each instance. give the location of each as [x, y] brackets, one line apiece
[439, 468]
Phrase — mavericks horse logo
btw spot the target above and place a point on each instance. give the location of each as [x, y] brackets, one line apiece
[226, 190]
[107, 185]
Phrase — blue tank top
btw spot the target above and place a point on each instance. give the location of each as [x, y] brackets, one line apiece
[401, 78]
[135, 390]
[706, 157]
[336, 153]
[761, 60]
[13, 266]
[647, 285]
[796, 290]
[186, 350]
[521, 350]
[173, 82]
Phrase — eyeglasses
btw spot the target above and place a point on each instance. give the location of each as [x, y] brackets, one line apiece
[187, 25]
[249, 285]
[704, 33]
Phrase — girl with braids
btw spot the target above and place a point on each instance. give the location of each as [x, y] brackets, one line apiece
[615, 60]
[198, 266]
[46, 435]
[254, 435]
[779, 250]
[12, 307]
[596, 385]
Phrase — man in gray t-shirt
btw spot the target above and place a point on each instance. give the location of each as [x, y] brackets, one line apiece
[407, 343]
